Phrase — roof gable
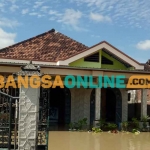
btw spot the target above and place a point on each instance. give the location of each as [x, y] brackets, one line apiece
[101, 59]
[107, 47]
[110, 61]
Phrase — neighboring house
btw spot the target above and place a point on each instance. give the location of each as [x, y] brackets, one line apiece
[138, 92]
[132, 96]
[57, 54]
[138, 96]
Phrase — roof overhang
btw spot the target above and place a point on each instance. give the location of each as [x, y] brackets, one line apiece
[125, 59]
[19, 62]
[66, 70]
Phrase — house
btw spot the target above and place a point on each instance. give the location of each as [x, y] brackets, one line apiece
[57, 54]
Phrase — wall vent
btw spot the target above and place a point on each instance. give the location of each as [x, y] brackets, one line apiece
[92, 58]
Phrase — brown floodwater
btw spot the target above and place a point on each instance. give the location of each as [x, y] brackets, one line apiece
[98, 141]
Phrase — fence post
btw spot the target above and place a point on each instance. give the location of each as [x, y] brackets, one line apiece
[16, 116]
[10, 122]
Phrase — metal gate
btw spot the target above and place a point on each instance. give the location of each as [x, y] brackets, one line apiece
[92, 107]
[8, 119]
[43, 125]
[118, 106]
[9, 99]
[9, 122]
[44, 116]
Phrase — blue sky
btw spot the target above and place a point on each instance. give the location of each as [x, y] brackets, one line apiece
[123, 23]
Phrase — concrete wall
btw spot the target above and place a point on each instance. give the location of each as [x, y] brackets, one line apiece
[80, 104]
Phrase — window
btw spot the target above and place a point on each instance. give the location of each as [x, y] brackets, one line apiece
[92, 58]
[129, 96]
[106, 61]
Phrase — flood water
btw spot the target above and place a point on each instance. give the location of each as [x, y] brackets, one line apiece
[98, 141]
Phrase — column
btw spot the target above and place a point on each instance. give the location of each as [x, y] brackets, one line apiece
[97, 104]
[28, 118]
[143, 102]
[124, 94]
[28, 110]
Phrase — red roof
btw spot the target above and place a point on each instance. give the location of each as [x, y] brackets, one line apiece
[50, 46]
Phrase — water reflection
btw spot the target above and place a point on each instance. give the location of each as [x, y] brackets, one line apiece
[100, 141]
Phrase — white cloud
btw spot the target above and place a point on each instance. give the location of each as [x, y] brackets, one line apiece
[2, 7]
[4, 22]
[71, 17]
[44, 8]
[144, 45]
[52, 18]
[95, 36]
[133, 13]
[6, 38]
[25, 11]
[88, 2]
[99, 18]
[37, 4]
[53, 12]
[40, 15]
[14, 8]
[36, 14]
[13, 1]
[33, 14]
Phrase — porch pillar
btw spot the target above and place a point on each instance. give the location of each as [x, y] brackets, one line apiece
[28, 118]
[28, 111]
[97, 104]
[143, 102]
[124, 95]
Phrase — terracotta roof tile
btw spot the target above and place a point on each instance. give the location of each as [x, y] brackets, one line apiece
[50, 46]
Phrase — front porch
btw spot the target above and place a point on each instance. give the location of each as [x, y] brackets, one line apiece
[108, 104]
[44, 109]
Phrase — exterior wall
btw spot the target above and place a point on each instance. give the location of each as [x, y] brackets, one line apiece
[80, 104]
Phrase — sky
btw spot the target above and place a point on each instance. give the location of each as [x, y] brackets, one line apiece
[123, 23]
